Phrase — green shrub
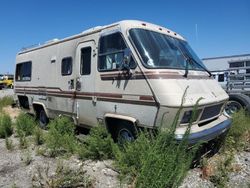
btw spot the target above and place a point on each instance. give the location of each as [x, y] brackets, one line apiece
[38, 135]
[5, 125]
[60, 137]
[25, 125]
[97, 145]
[238, 137]
[155, 161]
[5, 101]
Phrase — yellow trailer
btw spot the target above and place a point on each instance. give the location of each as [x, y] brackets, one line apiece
[6, 81]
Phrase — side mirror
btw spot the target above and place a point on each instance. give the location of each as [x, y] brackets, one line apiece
[127, 56]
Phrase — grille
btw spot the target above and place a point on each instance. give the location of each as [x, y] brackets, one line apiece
[211, 111]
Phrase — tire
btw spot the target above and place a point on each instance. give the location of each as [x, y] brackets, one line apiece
[232, 107]
[43, 119]
[236, 102]
[125, 133]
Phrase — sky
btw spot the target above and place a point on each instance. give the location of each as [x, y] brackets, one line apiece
[212, 27]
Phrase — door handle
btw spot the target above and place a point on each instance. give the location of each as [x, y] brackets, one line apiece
[94, 99]
[71, 84]
[78, 84]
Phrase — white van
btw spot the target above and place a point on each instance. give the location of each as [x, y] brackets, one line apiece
[126, 75]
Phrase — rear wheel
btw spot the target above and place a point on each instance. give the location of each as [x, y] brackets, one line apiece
[43, 119]
[233, 107]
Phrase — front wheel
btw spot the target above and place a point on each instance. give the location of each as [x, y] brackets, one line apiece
[125, 133]
[43, 119]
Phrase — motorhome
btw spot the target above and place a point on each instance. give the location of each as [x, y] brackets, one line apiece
[125, 76]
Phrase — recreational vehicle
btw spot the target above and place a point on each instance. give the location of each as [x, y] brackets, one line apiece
[125, 76]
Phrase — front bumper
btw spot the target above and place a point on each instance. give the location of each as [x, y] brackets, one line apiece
[207, 134]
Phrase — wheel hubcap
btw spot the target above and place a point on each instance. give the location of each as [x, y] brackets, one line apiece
[232, 107]
[125, 136]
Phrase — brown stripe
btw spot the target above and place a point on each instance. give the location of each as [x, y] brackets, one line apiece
[113, 95]
[146, 103]
[150, 75]
[148, 100]
[38, 87]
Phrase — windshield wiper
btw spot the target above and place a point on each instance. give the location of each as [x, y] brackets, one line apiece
[189, 60]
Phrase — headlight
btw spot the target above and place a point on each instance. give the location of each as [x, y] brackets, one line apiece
[186, 118]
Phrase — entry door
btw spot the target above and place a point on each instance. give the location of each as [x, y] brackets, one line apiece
[86, 60]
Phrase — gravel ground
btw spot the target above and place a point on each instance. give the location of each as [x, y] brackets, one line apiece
[14, 171]
[6, 92]
[240, 177]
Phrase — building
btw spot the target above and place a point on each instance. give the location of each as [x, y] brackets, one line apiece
[222, 63]
[234, 69]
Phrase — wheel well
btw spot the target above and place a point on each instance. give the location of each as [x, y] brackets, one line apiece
[23, 101]
[37, 108]
[113, 123]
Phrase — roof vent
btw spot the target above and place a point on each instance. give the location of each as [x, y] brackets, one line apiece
[92, 29]
[51, 41]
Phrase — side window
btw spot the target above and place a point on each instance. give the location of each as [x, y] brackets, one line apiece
[221, 78]
[66, 68]
[111, 52]
[85, 68]
[23, 71]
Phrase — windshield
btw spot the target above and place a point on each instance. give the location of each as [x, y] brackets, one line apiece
[162, 51]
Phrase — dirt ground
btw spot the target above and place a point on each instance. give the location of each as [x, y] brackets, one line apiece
[15, 171]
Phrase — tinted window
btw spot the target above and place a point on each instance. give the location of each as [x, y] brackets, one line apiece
[111, 52]
[23, 71]
[85, 61]
[236, 64]
[221, 78]
[66, 68]
[248, 63]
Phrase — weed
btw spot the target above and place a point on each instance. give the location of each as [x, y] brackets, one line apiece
[14, 185]
[221, 175]
[38, 135]
[60, 137]
[5, 125]
[9, 144]
[238, 137]
[25, 125]
[97, 145]
[6, 101]
[23, 143]
[63, 177]
[41, 151]
[26, 158]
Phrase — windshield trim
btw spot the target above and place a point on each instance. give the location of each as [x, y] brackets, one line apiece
[150, 67]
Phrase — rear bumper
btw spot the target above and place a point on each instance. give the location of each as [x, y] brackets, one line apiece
[207, 134]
